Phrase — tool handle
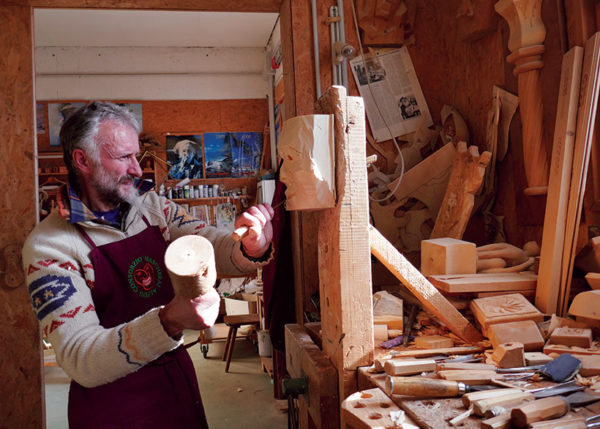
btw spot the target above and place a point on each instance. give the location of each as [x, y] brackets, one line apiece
[538, 410]
[239, 233]
[566, 423]
[422, 386]
[511, 399]
[499, 422]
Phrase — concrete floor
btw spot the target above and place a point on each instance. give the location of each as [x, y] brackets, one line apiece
[240, 399]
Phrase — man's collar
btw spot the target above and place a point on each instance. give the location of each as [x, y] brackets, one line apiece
[73, 210]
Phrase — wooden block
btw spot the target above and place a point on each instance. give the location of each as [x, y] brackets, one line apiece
[557, 322]
[448, 256]
[536, 358]
[392, 322]
[511, 399]
[425, 292]
[504, 308]
[525, 332]
[560, 349]
[368, 409]
[469, 377]
[499, 422]
[577, 337]
[408, 366]
[471, 397]
[590, 365]
[586, 305]
[526, 294]
[472, 283]
[593, 279]
[380, 333]
[433, 342]
[509, 355]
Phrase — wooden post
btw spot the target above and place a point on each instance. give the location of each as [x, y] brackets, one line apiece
[21, 388]
[527, 34]
[344, 256]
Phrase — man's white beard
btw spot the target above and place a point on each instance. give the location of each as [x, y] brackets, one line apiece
[110, 192]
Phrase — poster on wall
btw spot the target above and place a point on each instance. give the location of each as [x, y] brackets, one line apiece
[58, 113]
[184, 154]
[225, 215]
[246, 154]
[40, 118]
[136, 109]
[217, 152]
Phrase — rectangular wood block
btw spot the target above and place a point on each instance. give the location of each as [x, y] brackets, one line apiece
[590, 365]
[448, 256]
[408, 366]
[469, 377]
[577, 337]
[536, 358]
[433, 342]
[523, 331]
[502, 309]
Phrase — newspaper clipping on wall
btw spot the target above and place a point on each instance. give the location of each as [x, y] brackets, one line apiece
[389, 79]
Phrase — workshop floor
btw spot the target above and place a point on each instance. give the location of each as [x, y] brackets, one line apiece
[240, 399]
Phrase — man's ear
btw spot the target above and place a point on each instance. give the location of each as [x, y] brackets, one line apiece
[81, 160]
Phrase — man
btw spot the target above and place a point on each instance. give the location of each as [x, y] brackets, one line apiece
[98, 284]
[189, 165]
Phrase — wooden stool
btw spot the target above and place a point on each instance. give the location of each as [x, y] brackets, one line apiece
[234, 322]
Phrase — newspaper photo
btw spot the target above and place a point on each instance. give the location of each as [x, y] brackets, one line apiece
[390, 88]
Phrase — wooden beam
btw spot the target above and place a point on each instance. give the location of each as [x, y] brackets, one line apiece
[344, 257]
[584, 136]
[431, 299]
[553, 236]
[305, 359]
[191, 5]
[21, 388]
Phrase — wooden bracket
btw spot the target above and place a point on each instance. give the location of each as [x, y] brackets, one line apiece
[10, 266]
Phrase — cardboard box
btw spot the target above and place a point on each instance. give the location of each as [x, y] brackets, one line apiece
[241, 303]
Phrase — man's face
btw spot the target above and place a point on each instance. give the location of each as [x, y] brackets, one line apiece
[186, 152]
[113, 173]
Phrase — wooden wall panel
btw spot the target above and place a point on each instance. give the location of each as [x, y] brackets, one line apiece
[20, 355]
[196, 5]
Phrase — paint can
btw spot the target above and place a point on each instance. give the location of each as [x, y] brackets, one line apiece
[264, 343]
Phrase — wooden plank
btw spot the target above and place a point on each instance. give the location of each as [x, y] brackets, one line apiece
[465, 180]
[558, 184]
[198, 5]
[21, 357]
[343, 238]
[304, 359]
[586, 119]
[471, 283]
[432, 300]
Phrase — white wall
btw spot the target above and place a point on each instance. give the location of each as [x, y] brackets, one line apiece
[149, 73]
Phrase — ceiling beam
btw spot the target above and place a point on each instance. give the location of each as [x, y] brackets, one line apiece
[195, 5]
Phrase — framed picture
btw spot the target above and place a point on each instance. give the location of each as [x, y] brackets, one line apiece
[246, 154]
[40, 118]
[58, 113]
[185, 155]
[217, 150]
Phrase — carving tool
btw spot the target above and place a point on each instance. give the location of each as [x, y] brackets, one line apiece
[430, 387]
[549, 408]
[243, 230]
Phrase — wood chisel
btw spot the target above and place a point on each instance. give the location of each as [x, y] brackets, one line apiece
[430, 387]
[549, 408]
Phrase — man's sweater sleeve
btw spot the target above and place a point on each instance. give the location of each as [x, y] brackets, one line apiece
[59, 278]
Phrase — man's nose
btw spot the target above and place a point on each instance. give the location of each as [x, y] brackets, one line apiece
[134, 168]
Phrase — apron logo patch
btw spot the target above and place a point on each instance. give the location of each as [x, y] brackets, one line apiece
[145, 276]
[49, 293]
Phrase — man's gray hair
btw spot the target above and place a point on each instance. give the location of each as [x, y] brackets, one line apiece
[79, 131]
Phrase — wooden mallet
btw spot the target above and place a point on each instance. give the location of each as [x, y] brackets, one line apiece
[190, 261]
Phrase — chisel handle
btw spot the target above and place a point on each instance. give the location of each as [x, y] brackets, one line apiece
[538, 410]
[566, 423]
[239, 233]
[425, 387]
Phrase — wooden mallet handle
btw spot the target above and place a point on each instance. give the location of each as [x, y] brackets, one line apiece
[541, 409]
[422, 386]
[190, 261]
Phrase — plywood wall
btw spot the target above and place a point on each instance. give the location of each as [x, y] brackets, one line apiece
[20, 354]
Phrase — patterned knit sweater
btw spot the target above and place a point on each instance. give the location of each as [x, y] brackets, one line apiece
[60, 277]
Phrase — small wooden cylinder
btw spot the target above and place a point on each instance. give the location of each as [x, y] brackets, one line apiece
[190, 261]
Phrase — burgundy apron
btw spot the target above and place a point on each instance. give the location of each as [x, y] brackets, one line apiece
[131, 279]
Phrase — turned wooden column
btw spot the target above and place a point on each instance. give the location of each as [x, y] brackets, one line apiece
[527, 34]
